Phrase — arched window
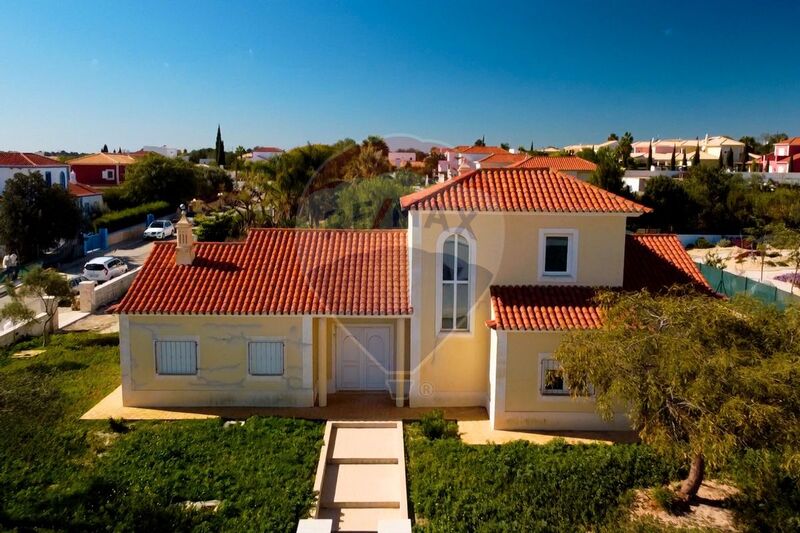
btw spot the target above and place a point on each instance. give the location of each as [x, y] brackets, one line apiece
[455, 284]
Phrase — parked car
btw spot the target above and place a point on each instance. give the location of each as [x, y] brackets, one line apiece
[74, 283]
[104, 268]
[159, 229]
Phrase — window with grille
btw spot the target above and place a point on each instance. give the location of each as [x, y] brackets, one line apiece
[265, 358]
[553, 380]
[176, 358]
[455, 284]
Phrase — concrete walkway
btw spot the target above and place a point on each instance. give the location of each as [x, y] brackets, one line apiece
[361, 476]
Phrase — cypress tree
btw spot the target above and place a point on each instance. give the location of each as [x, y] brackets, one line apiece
[685, 163]
[729, 159]
[696, 156]
[220, 148]
[720, 163]
[104, 149]
[672, 159]
[650, 156]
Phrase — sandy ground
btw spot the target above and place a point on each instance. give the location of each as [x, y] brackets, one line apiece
[749, 267]
[707, 511]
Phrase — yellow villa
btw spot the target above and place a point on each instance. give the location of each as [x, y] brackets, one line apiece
[463, 308]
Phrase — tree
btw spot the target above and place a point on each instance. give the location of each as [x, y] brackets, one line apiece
[377, 142]
[673, 209]
[34, 217]
[588, 154]
[104, 149]
[366, 204]
[696, 156]
[788, 239]
[480, 142]
[44, 286]
[672, 163]
[700, 378]
[155, 177]
[721, 162]
[624, 148]
[608, 174]
[684, 163]
[369, 162]
[219, 148]
[505, 146]
[729, 159]
[650, 156]
[612, 137]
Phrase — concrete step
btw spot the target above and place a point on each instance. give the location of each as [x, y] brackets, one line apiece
[362, 485]
[358, 519]
[377, 442]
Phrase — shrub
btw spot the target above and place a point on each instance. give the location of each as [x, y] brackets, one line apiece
[434, 426]
[116, 220]
[702, 243]
[216, 227]
[668, 500]
[724, 243]
[526, 487]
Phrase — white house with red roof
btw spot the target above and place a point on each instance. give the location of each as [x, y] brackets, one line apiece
[464, 307]
[52, 170]
[463, 159]
[264, 153]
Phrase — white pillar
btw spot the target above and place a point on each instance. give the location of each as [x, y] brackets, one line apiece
[86, 295]
[322, 364]
[400, 360]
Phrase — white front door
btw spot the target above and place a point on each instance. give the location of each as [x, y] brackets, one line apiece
[363, 357]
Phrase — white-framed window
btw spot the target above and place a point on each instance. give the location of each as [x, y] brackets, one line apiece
[558, 254]
[109, 175]
[176, 357]
[455, 280]
[553, 382]
[265, 358]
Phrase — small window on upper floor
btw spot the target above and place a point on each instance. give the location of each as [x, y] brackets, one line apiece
[455, 290]
[558, 254]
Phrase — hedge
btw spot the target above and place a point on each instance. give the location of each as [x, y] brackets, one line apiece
[116, 220]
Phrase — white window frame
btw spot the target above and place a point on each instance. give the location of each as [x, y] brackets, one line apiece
[461, 232]
[277, 340]
[196, 342]
[109, 174]
[544, 358]
[572, 254]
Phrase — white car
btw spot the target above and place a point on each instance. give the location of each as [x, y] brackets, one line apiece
[104, 268]
[159, 229]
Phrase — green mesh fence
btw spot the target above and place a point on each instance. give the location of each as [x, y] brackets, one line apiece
[729, 284]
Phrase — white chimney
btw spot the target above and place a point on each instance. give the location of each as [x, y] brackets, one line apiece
[184, 251]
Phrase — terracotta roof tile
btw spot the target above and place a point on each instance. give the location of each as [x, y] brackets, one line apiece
[28, 159]
[103, 159]
[266, 149]
[79, 189]
[484, 150]
[518, 189]
[503, 159]
[279, 272]
[652, 262]
[567, 162]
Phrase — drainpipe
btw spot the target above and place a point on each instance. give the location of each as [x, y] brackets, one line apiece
[117, 174]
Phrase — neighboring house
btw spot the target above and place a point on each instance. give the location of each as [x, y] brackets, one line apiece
[90, 200]
[263, 153]
[102, 169]
[464, 158]
[501, 160]
[164, 150]
[785, 158]
[401, 159]
[52, 170]
[572, 165]
[465, 307]
[710, 149]
[575, 148]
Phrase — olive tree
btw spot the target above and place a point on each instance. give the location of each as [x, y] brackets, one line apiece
[699, 377]
[44, 286]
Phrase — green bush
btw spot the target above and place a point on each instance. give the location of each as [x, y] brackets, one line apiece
[434, 426]
[668, 500]
[116, 220]
[724, 243]
[525, 487]
[702, 243]
[216, 227]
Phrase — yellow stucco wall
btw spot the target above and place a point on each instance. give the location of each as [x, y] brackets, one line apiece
[453, 367]
[222, 361]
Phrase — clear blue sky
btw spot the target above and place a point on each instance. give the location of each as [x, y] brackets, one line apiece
[76, 75]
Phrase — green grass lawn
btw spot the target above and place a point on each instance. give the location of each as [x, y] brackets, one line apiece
[58, 472]
[522, 486]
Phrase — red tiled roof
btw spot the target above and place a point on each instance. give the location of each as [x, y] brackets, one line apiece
[652, 262]
[279, 272]
[655, 261]
[502, 159]
[103, 159]
[567, 162]
[792, 141]
[28, 159]
[512, 189]
[484, 150]
[79, 189]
